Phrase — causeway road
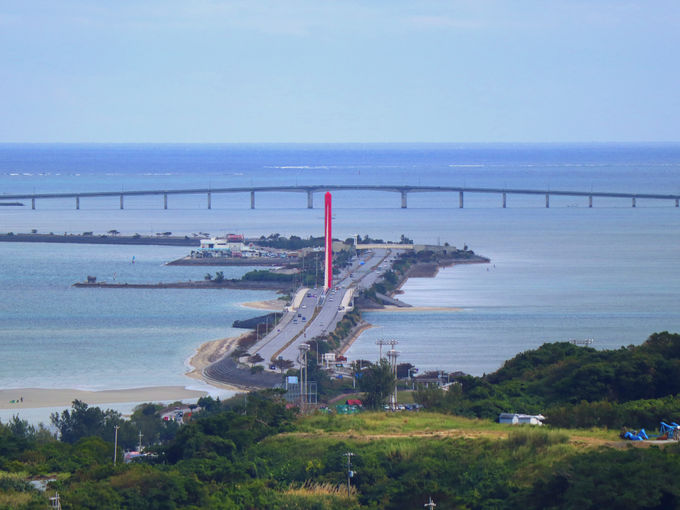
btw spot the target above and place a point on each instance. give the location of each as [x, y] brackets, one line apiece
[314, 312]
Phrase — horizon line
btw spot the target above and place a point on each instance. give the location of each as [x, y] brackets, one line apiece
[610, 142]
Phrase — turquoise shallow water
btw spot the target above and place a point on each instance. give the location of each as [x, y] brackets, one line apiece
[54, 335]
[609, 273]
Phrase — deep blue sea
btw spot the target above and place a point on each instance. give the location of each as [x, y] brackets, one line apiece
[610, 273]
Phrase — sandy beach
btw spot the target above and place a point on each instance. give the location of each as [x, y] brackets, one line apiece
[273, 305]
[40, 397]
[390, 308]
[208, 353]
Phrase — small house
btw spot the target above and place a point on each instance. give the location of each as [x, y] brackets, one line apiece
[521, 419]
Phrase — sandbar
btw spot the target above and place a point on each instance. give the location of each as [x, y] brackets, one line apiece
[274, 305]
[41, 397]
[390, 308]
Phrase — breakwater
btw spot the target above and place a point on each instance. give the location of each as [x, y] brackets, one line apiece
[100, 239]
[203, 285]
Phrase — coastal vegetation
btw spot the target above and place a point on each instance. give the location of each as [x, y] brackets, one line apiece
[289, 243]
[258, 453]
[574, 386]
[258, 275]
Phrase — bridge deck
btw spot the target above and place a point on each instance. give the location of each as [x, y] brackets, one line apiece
[310, 190]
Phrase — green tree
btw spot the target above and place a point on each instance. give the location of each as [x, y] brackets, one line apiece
[83, 421]
[377, 381]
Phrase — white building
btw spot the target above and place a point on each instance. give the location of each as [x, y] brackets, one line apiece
[521, 419]
[232, 245]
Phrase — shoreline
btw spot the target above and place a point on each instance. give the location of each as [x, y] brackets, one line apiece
[100, 239]
[390, 308]
[358, 330]
[208, 353]
[34, 398]
[231, 261]
[198, 284]
[418, 271]
[271, 305]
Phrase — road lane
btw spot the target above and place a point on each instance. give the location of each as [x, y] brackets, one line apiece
[318, 313]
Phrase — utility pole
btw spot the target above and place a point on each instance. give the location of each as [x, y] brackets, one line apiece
[55, 502]
[303, 373]
[381, 342]
[430, 504]
[139, 449]
[350, 473]
[392, 355]
[115, 444]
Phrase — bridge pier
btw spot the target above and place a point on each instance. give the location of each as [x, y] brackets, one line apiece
[310, 199]
[403, 200]
[165, 200]
[77, 203]
[252, 200]
[33, 203]
[209, 200]
[460, 199]
[547, 200]
[504, 200]
[121, 201]
[634, 204]
[677, 202]
[590, 201]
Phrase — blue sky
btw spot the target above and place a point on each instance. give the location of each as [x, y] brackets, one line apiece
[339, 71]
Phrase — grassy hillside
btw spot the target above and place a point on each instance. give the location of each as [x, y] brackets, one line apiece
[256, 453]
[269, 458]
[633, 386]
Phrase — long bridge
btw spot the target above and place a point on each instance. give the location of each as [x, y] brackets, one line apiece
[311, 189]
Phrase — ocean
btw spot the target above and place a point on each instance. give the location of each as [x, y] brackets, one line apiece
[568, 272]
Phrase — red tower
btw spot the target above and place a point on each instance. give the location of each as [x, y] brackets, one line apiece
[328, 264]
